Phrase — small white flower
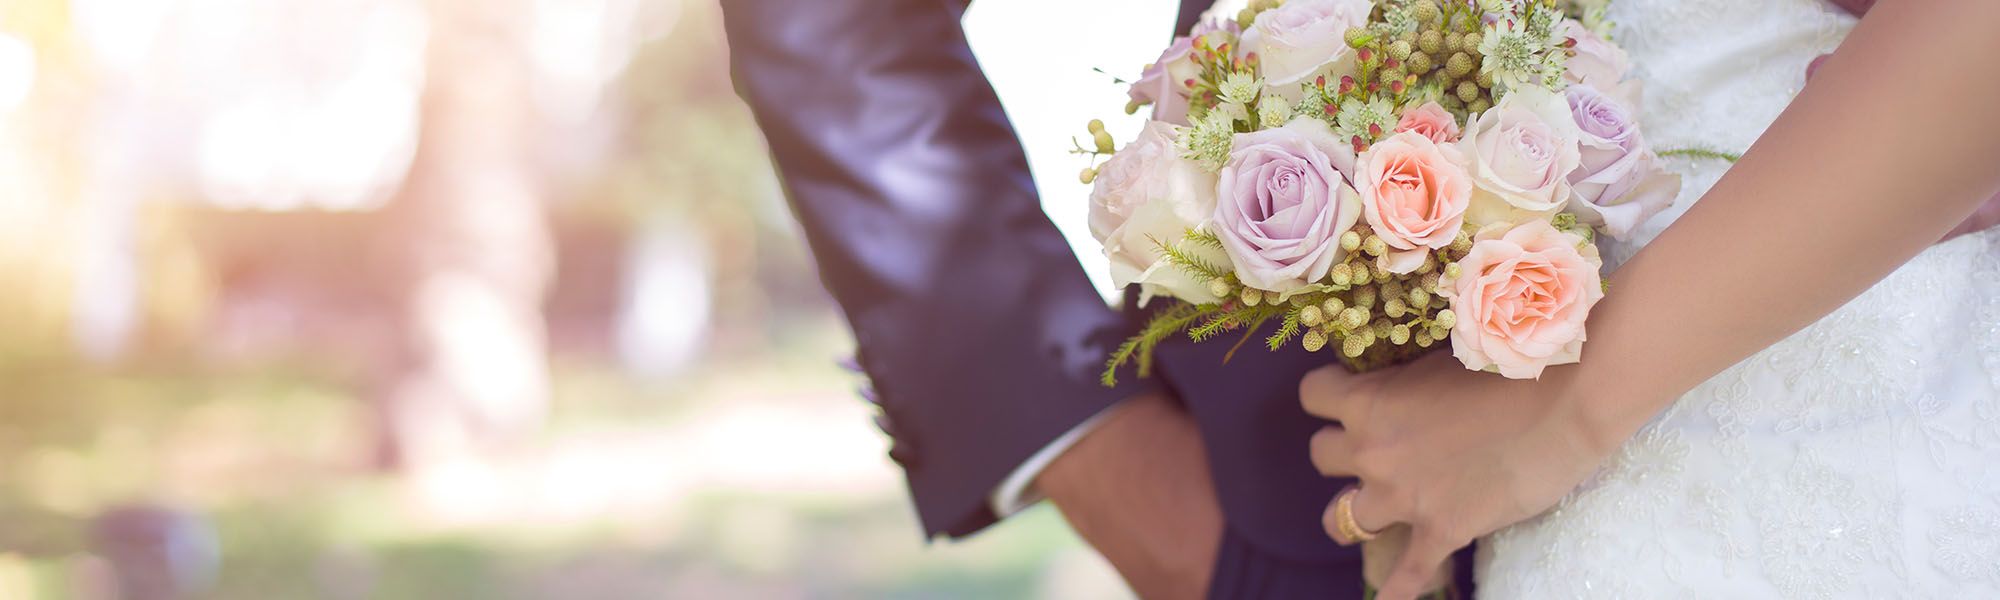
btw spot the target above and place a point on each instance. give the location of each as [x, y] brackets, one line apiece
[1355, 117]
[1241, 88]
[1272, 115]
[1208, 141]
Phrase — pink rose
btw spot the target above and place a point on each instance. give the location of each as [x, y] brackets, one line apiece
[1282, 203]
[1164, 83]
[1521, 297]
[1596, 60]
[1431, 121]
[1414, 193]
[1618, 182]
[1146, 195]
[1520, 154]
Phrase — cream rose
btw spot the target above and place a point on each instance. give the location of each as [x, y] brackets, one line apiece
[1414, 194]
[1521, 297]
[1521, 153]
[1302, 39]
[1282, 203]
[1147, 194]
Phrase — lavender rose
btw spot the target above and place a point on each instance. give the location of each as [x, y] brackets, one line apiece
[1282, 202]
[1618, 183]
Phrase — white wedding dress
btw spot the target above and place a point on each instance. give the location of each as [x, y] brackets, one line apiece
[1859, 458]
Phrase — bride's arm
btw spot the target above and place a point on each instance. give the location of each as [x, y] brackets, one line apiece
[1888, 148]
[1891, 145]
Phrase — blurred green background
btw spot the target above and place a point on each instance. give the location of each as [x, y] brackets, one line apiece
[428, 299]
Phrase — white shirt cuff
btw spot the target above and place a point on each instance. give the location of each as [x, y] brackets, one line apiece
[1018, 491]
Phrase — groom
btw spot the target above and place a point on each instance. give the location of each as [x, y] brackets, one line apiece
[984, 339]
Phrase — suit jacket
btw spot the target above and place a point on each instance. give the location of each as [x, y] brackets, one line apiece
[981, 335]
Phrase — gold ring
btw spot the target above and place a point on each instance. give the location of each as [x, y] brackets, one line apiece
[1343, 518]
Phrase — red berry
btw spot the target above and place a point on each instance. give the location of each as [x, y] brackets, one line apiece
[1320, 81]
[1374, 130]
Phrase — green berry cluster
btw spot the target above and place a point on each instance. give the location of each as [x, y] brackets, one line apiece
[1374, 317]
[1369, 316]
[1441, 52]
[1429, 50]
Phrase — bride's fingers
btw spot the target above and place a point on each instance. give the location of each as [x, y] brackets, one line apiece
[1375, 510]
[1330, 453]
[1416, 571]
[1370, 512]
[1326, 392]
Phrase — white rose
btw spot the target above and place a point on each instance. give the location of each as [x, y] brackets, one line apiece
[1522, 152]
[1303, 39]
[1147, 194]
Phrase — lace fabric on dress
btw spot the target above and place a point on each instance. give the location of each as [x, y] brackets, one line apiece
[1859, 457]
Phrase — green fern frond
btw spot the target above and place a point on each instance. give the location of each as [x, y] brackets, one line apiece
[1161, 326]
[1286, 331]
[1204, 238]
[1223, 321]
[1702, 153]
[1251, 330]
[1202, 270]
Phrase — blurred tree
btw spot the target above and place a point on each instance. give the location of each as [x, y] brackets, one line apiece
[695, 156]
[470, 236]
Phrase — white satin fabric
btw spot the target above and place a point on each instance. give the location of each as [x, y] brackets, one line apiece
[1859, 458]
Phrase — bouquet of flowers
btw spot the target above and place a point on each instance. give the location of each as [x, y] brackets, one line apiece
[1380, 178]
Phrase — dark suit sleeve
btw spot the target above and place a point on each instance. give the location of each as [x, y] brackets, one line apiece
[981, 334]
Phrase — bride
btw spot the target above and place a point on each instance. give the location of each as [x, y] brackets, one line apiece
[1795, 389]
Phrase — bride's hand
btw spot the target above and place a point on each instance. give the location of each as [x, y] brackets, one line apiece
[1454, 454]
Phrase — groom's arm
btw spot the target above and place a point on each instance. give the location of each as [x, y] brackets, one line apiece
[981, 334]
[1138, 489]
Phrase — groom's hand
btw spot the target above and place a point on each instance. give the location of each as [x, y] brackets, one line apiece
[1138, 489]
[1982, 219]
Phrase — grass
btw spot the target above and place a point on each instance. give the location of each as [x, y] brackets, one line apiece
[267, 454]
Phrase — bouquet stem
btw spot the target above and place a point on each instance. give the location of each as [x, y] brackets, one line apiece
[1378, 557]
